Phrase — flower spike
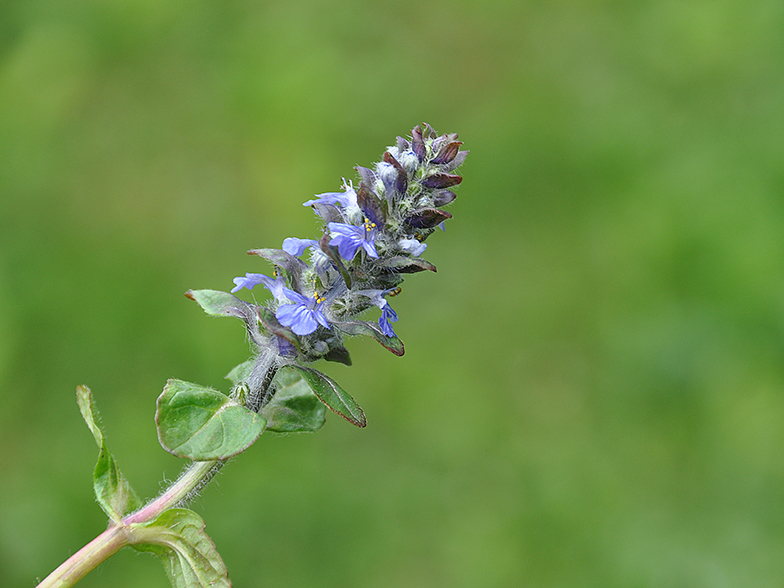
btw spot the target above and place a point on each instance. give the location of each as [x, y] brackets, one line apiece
[373, 237]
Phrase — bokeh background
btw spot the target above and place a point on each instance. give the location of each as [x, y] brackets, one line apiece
[593, 389]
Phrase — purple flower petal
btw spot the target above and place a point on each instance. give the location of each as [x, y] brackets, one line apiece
[304, 316]
[299, 318]
[250, 280]
[296, 246]
[347, 199]
[295, 296]
[387, 315]
[349, 238]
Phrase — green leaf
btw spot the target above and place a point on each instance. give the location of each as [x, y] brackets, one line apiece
[241, 372]
[188, 554]
[294, 407]
[281, 258]
[338, 354]
[331, 394]
[217, 303]
[394, 344]
[203, 424]
[406, 265]
[112, 490]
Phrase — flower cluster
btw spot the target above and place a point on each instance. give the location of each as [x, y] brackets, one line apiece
[373, 235]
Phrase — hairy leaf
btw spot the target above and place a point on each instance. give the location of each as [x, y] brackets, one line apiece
[112, 490]
[241, 372]
[338, 354]
[202, 424]
[188, 554]
[394, 344]
[331, 394]
[294, 407]
[427, 218]
[406, 265]
[217, 303]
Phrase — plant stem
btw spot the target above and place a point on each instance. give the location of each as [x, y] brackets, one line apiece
[197, 475]
[118, 535]
[87, 558]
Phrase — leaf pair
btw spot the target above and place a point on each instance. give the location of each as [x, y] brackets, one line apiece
[203, 424]
[176, 536]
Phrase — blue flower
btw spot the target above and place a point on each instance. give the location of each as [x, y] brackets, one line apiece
[304, 316]
[388, 174]
[276, 286]
[412, 246]
[347, 200]
[387, 314]
[349, 238]
[296, 246]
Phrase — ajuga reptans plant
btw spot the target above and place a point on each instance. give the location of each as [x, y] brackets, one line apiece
[320, 291]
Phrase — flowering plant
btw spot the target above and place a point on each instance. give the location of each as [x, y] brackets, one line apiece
[373, 235]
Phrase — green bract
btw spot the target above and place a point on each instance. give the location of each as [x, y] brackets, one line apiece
[336, 399]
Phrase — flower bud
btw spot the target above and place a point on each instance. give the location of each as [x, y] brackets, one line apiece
[409, 160]
[440, 180]
[417, 143]
[443, 197]
[447, 153]
[427, 218]
[401, 179]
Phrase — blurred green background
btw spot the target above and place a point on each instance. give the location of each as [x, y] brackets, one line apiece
[592, 393]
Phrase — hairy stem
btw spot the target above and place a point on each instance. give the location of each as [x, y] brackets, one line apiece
[87, 558]
[197, 475]
[117, 536]
[179, 494]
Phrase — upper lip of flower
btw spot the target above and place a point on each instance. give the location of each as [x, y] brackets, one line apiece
[347, 199]
[412, 246]
[274, 285]
[387, 315]
[296, 246]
